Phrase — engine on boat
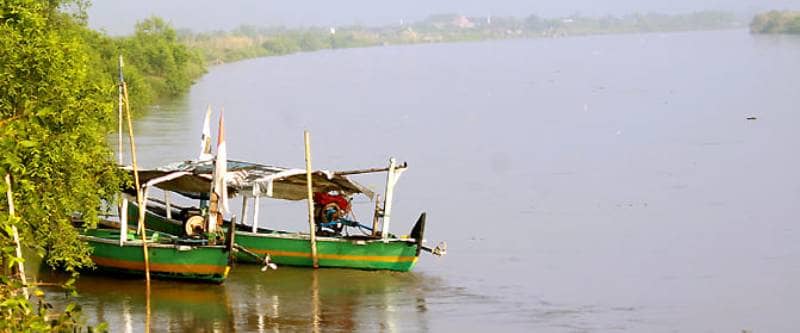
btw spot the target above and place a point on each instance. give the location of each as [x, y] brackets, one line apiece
[194, 226]
[193, 223]
[329, 213]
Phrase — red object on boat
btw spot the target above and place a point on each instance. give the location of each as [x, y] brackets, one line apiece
[323, 199]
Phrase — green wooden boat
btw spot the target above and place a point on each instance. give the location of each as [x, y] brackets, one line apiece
[373, 249]
[170, 257]
[174, 257]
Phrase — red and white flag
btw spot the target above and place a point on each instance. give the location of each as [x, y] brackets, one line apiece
[220, 168]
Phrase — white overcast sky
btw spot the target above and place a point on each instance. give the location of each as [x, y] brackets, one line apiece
[118, 17]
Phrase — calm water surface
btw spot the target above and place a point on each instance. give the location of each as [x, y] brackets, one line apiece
[607, 183]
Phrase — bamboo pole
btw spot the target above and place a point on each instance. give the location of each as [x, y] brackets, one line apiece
[244, 210]
[122, 205]
[377, 215]
[143, 212]
[147, 309]
[123, 220]
[388, 197]
[20, 265]
[309, 186]
[139, 198]
[315, 306]
[370, 170]
[119, 133]
[255, 213]
[168, 204]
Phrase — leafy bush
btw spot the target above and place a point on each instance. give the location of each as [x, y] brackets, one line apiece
[776, 22]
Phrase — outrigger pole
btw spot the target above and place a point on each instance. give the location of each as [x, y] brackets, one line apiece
[371, 170]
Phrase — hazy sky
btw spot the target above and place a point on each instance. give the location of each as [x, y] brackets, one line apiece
[118, 17]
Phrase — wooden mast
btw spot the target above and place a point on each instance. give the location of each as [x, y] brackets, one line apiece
[309, 186]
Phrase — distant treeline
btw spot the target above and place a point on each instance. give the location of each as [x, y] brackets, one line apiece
[156, 63]
[776, 22]
[251, 41]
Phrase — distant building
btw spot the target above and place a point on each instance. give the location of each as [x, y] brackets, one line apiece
[463, 22]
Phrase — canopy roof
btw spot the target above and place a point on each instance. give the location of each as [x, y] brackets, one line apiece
[193, 179]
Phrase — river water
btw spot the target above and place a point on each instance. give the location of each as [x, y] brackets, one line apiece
[604, 183]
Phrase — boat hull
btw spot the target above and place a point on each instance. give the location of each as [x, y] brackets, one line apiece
[167, 261]
[294, 249]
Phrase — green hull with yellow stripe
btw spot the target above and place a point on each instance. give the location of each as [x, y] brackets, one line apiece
[294, 249]
[171, 260]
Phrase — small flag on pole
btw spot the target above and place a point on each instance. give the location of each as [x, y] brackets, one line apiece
[205, 138]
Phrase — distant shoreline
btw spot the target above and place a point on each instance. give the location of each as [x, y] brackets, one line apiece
[248, 42]
[776, 22]
[744, 29]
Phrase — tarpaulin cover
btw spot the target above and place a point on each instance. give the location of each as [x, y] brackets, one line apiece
[250, 179]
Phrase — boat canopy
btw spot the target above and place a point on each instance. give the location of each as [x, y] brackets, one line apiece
[193, 179]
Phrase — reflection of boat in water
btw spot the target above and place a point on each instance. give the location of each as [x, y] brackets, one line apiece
[288, 299]
[177, 307]
[296, 299]
[122, 303]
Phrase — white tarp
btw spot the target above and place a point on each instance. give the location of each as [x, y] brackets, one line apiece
[251, 179]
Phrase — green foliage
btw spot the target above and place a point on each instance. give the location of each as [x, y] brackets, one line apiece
[57, 105]
[168, 66]
[776, 22]
[36, 315]
[54, 116]
[157, 64]
[280, 45]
